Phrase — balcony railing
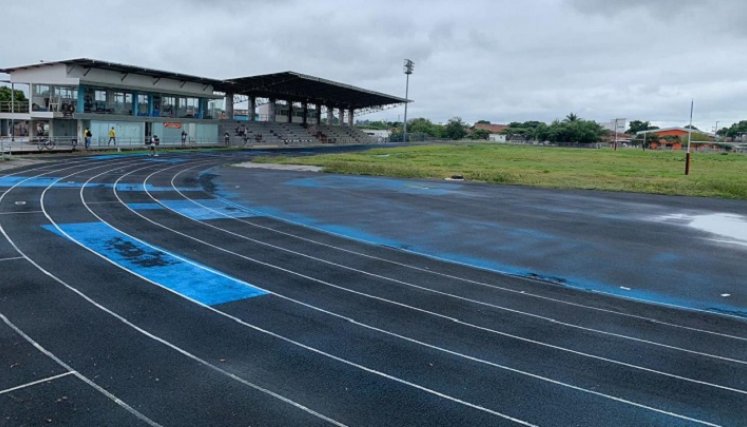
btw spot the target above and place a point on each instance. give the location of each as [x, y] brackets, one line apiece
[14, 107]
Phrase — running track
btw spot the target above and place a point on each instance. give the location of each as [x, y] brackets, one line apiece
[133, 294]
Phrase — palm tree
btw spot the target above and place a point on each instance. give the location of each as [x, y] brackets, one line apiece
[571, 118]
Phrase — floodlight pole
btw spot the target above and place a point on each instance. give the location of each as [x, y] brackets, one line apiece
[689, 138]
[409, 65]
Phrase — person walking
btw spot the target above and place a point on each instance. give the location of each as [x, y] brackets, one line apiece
[112, 137]
[87, 135]
[184, 138]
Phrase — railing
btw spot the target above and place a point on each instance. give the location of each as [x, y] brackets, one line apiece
[14, 106]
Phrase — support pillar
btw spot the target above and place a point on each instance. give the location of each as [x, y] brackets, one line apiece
[342, 116]
[351, 114]
[330, 114]
[271, 110]
[318, 114]
[252, 107]
[305, 112]
[229, 106]
[290, 111]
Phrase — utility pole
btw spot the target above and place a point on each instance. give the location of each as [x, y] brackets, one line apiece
[616, 124]
[715, 131]
[689, 138]
[409, 66]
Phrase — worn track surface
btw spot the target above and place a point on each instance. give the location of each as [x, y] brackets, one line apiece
[183, 291]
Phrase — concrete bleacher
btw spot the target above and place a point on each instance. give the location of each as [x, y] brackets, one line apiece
[290, 134]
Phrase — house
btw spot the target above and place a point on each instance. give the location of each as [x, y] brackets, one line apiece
[495, 132]
[674, 138]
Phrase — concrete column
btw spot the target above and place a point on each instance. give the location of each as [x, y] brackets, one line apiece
[342, 116]
[252, 107]
[229, 106]
[290, 111]
[330, 113]
[351, 114]
[305, 112]
[318, 114]
[271, 110]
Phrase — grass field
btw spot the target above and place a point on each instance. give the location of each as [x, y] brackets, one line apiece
[712, 174]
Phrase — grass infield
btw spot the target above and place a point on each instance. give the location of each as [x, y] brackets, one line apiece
[660, 172]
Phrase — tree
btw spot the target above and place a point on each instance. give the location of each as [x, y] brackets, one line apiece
[571, 118]
[483, 122]
[636, 126]
[479, 134]
[455, 129]
[5, 94]
[577, 130]
[424, 126]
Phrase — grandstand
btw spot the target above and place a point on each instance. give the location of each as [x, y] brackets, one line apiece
[68, 97]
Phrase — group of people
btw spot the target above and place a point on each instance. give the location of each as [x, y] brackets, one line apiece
[151, 143]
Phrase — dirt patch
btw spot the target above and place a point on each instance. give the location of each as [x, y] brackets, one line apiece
[17, 162]
[273, 166]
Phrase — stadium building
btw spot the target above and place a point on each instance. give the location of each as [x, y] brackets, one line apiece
[67, 97]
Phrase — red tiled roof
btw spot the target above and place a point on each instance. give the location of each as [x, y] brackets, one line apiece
[491, 128]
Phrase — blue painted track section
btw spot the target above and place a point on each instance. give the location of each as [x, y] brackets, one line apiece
[182, 276]
[202, 210]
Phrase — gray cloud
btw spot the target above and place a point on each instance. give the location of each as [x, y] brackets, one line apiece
[497, 60]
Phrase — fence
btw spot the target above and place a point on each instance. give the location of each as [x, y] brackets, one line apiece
[14, 106]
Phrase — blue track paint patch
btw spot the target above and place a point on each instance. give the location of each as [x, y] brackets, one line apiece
[182, 276]
[431, 250]
[207, 209]
[145, 206]
[376, 184]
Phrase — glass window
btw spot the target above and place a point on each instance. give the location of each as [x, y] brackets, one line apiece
[122, 103]
[168, 105]
[41, 90]
[142, 105]
[100, 102]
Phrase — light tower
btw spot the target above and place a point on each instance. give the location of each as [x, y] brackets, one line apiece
[409, 66]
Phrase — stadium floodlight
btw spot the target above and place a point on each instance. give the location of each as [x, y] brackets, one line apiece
[409, 66]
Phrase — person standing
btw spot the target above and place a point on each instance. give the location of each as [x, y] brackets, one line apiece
[87, 135]
[152, 145]
[112, 137]
[184, 138]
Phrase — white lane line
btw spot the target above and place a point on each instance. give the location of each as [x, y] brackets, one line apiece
[19, 212]
[33, 383]
[471, 281]
[427, 289]
[422, 288]
[396, 303]
[80, 376]
[258, 329]
[14, 258]
[38, 346]
[618, 399]
[143, 331]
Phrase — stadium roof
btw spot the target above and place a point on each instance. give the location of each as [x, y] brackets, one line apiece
[287, 85]
[122, 68]
[301, 87]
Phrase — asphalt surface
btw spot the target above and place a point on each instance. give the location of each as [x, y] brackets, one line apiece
[181, 290]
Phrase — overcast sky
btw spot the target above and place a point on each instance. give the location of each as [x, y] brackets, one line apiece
[496, 60]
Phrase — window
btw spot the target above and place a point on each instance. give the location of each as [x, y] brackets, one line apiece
[189, 107]
[100, 104]
[142, 105]
[122, 103]
[168, 105]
